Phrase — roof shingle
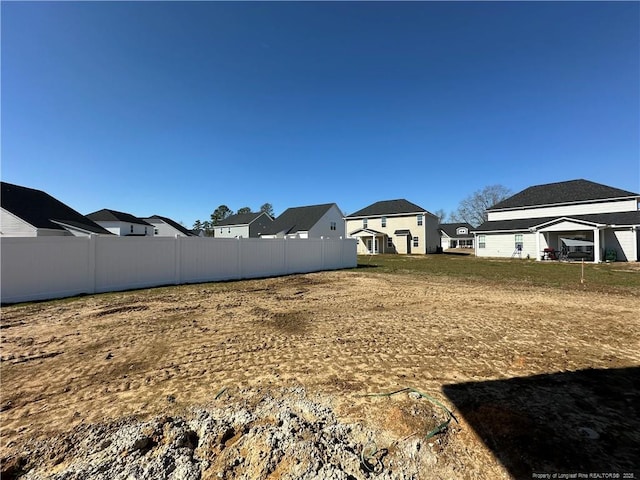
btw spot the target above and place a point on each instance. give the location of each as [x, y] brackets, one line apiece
[451, 229]
[297, 219]
[40, 209]
[388, 207]
[562, 192]
[239, 219]
[106, 215]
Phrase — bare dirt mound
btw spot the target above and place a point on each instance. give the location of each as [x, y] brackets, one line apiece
[247, 434]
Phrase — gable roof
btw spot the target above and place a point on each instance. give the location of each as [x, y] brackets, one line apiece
[173, 223]
[41, 210]
[106, 215]
[240, 219]
[388, 207]
[562, 192]
[451, 229]
[297, 219]
[615, 218]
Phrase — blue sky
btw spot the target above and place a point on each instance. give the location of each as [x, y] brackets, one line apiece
[175, 108]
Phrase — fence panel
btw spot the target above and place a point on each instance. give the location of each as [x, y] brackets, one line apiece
[53, 267]
[262, 257]
[134, 262]
[208, 259]
[39, 268]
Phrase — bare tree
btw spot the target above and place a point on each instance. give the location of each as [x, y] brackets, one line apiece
[441, 214]
[473, 209]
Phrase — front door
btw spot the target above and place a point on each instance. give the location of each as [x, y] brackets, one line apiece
[371, 244]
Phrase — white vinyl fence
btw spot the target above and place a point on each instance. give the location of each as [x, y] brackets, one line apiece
[42, 268]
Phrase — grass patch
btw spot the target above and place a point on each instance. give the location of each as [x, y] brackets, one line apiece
[611, 278]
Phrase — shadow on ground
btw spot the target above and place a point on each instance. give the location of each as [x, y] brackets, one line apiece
[583, 422]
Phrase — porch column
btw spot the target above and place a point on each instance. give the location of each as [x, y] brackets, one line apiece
[596, 245]
[538, 251]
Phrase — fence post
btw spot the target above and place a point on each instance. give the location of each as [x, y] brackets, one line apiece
[286, 255]
[240, 265]
[91, 270]
[178, 260]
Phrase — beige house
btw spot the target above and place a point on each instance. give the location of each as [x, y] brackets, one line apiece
[394, 226]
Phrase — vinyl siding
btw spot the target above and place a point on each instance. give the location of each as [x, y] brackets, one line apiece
[427, 233]
[164, 229]
[623, 241]
[259, 225]
[12, 226]
[123, 228]
[504, 244]
[322, 228]
[231, 231]
[566, 210]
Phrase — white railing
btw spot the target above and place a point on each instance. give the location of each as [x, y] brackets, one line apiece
[54, 267]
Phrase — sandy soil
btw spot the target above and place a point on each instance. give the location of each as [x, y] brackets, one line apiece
[339, 334]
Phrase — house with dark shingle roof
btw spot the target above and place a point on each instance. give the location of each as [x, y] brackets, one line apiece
[393, 226]
[576, 219]
[312, 221]
[27, 212]
[166, 227]
[243, 225]
[121, 223]
[456, 235]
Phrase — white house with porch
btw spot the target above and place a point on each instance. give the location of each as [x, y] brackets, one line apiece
[456, 235]
[577, 219]
[394, 226]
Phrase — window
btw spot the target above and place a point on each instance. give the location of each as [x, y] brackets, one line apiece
[416, 243]
[365, 222]
[481, 241]
[332, 225]
[145, 230]
[389, 242]
[155, 231]
[383, 221]
[220, 229]
[462, 231]
[519, 242]
[229, 230]
[419, 219]
[130, 228]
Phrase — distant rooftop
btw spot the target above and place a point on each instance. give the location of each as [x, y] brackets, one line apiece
[388, 207]
[562, 192]
[106, 215]
[297, 219]
[174, 224]
[41, 210]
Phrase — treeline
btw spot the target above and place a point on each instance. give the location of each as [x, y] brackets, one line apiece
[223, 212]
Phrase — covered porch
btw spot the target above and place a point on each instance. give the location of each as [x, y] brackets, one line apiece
[570, 239]
[370, 242]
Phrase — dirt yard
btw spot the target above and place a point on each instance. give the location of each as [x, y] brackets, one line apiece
[339, 335]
